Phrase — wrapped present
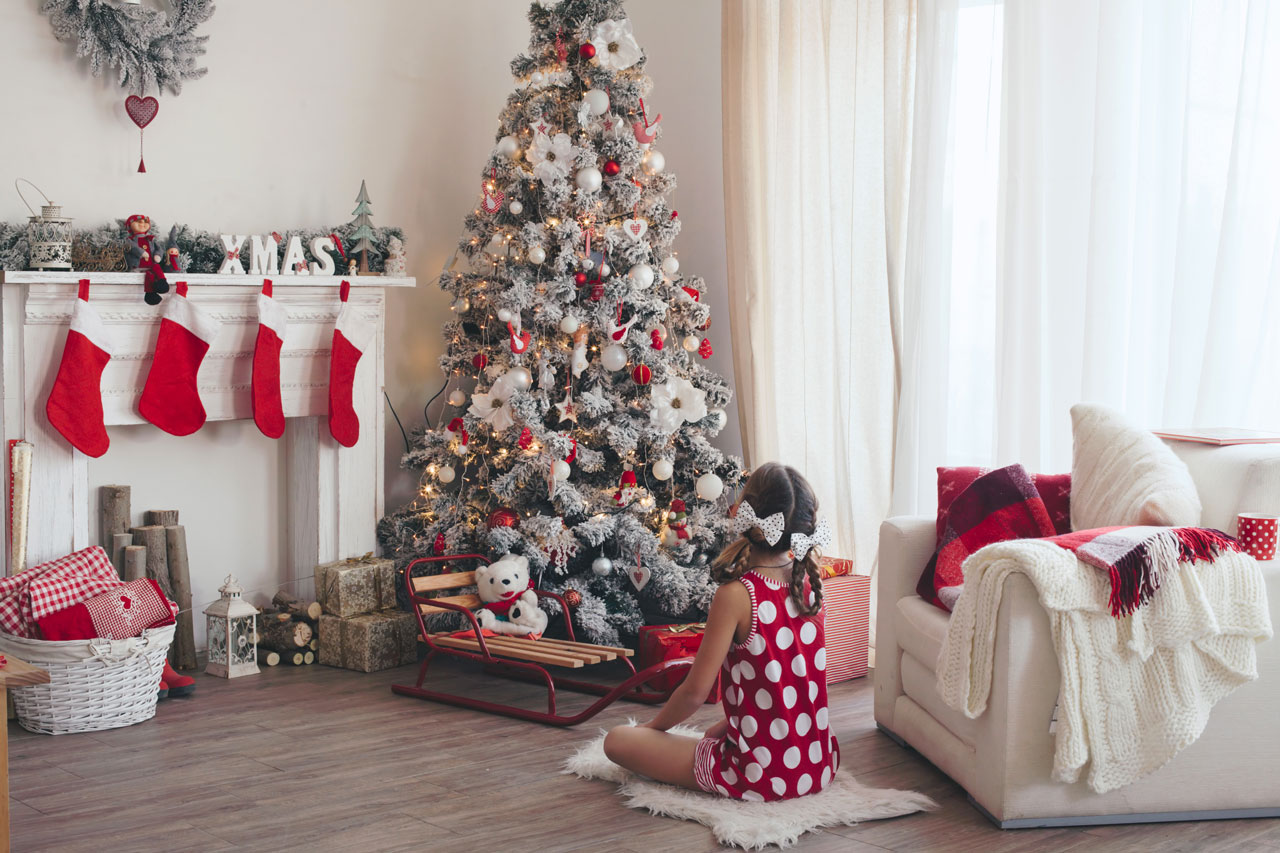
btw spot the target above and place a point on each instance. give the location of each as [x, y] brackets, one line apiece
[351, 587]
[834, 567]
[668, 642]
[847, 602]
[368, 642]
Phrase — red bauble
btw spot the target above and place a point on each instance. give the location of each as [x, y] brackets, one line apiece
[706, 325]
[674, 214]
[480, 361]
[526, 439]
[572, 597]
[438, 547]
[579, 278]
[587, 51]
[612, 168]
[503, 517]
[642, 374]
[656, 337]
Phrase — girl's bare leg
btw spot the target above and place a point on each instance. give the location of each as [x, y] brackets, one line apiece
[649, 752]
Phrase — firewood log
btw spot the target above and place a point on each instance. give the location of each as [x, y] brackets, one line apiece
[183, 651]
[119, 542]
[286, 603]
[162, 517]
[286, 636]
[113, 502]
[135, 562]
[308, 657]
[267, 657]
[293, 658]
[152, 536]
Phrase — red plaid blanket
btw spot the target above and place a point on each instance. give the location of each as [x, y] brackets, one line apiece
[53, 586]
[999, 505]
[1137, 557]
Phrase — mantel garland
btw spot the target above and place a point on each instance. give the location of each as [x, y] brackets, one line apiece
[153, 49]
[101, 249]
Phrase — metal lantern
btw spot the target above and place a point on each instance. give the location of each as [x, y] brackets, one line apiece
[48, 234]
[232, 633]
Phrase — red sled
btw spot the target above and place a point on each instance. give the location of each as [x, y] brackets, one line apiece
[521, 658]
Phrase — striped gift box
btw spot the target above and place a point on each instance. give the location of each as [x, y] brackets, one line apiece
[848, 620]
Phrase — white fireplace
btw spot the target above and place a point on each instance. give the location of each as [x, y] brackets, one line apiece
[334, 494]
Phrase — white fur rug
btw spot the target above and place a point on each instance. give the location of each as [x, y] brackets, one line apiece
[749, 825]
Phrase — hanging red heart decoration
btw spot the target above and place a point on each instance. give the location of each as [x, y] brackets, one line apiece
[141, 112]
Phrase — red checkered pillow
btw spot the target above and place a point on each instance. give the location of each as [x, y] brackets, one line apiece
[31, 595]
[1054, 489]
[119, 614]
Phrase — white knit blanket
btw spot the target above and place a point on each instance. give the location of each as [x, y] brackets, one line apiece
[1134, 691]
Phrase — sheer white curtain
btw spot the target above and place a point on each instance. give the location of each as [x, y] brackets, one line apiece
[812, 88]
[1094, 214]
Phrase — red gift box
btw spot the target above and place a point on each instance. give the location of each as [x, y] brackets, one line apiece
[834, 567]
[668, 642]
[847, 603]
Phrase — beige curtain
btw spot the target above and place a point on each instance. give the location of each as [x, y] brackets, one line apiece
[816, 108]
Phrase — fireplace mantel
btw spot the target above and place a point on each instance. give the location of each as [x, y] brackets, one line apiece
[336, 493]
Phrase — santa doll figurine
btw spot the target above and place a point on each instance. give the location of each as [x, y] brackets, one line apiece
[143, 254]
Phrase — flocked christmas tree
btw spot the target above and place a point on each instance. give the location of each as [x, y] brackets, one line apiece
[579, 415]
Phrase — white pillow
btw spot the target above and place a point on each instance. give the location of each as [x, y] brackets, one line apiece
[1124, 475]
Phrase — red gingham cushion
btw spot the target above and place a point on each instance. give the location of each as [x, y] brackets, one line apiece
[53, 586]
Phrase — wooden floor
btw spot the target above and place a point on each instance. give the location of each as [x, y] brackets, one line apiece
[323, 759]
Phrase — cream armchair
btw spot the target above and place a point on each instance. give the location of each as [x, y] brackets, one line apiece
[1003, 759]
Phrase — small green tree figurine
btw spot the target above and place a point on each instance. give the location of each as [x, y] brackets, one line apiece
[364, 231]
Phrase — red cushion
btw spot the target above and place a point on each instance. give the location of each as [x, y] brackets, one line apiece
[1054, 489]
[124, 612]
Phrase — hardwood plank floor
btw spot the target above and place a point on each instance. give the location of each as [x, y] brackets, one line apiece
[321, 759]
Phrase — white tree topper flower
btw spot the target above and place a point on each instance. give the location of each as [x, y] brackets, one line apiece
[615, 46]
[493, 407]
[552, 156]
[676, 402]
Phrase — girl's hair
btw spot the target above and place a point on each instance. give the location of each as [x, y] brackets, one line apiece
[774, 487]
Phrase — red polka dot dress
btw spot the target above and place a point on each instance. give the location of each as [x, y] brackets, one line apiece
[778, 743]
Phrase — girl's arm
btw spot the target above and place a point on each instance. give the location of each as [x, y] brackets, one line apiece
[730, 609]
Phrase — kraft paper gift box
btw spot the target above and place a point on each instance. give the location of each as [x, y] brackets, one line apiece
[351, 587]
[369, 642]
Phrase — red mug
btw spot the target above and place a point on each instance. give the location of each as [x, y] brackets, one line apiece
[1256, 533]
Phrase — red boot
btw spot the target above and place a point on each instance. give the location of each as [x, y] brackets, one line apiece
[179, 685]
[163, 692]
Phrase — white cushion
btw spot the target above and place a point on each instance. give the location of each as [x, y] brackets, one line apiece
[1121, 474]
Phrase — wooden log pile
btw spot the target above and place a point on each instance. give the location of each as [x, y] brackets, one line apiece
[287, 631]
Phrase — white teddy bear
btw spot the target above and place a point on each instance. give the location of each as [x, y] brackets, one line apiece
[510, 604]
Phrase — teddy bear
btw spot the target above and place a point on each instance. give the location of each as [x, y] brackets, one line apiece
[510, 606]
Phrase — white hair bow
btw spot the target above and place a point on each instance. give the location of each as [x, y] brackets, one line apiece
[820, 538]
[746, 519]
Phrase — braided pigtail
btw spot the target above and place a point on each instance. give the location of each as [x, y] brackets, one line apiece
[807, 568]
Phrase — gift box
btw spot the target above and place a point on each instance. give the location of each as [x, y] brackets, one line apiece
[847, 603]
[834, 567]
[668, 642]
[368, 642]
[351, 587]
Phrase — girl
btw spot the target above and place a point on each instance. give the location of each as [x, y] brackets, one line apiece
[765, 630]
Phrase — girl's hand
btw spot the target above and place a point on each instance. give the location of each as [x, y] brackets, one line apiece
[717, 731]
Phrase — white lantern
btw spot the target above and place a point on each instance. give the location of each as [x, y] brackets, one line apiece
[48, 234]
[232, 632]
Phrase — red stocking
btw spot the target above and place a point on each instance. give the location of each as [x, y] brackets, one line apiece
[268, 412]
[75, 404]
[170, 398]
[351, 336]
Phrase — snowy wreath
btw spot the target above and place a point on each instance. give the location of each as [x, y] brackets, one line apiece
[152, 48]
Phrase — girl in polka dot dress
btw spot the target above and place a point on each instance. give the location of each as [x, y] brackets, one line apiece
[764, 632]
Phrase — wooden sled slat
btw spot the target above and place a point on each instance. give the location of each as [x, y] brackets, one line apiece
[453, 580]
[472, 645]
[468, 600]
[598, 652]
[517, 646]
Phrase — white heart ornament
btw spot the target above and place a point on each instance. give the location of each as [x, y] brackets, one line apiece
[635, 228]
[639, 576]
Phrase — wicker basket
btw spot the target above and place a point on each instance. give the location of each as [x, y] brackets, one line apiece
[93, 684]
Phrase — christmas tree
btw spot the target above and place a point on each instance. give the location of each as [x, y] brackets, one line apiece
[364, 228]
[578, 421]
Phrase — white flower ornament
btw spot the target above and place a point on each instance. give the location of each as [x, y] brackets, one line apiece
[493, 407]
[616, 46]
[552, 156]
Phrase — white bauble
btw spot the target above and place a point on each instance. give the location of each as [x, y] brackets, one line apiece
[588, 179]
[456, 397]
[614, 357]
[561, 470]
[597, 101]
[709, 487]
[445, 473]
[670, 265]
[720, 415]
[461, 304]
[653, 162]
[569, 324]
[537, 78]
[605, 269]
[508, 146]
[516, 207]
[663, 469]
[690, 343]
[518, 378]
[505, 316]
[642, 275]
[537, 254]
[587, 263]
[602, 565]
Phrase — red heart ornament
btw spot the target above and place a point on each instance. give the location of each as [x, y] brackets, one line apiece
[141, 110]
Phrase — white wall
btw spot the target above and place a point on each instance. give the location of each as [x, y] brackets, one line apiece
[303, 100]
